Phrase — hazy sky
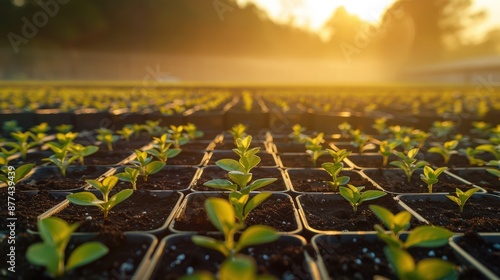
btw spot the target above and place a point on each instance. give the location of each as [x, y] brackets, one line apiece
[312, 14]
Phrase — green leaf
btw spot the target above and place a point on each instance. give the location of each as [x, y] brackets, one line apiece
[398, 164]
[120, 197]
[259, 183]
[470, 192]
[370, 195]
[383, 214]
[413, 152]
[343, 180]
[421, 164]
[255, 235]
[428, 236]
[86, 253]
[210, 243]
[454, 199]
[240, 178]
[22, 171]
[240, 267]
[173, 153]
[221, 214]
[84, 199]
[494, 172]
[44, 255]
[55, 231]
[154, 167]
[255, 201]
[97, 185]
[221, 184]
[347, 193]
[400, 260]
[89, 150]
[249, 162]
[230, 165]
[436, 269]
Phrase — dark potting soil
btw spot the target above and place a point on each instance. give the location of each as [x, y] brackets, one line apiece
[279, 258]
[487, 253]
[332, 212]
[215, 172]
[187, 158]
[266, 159]
[33, 157]
[143, 211]
[349, 147]
[276, 211]
[196, 146]
[105, 157]
[307, 180]
[479, 177]
[455, 160]
[289, 147]
[302, 160]
[170, 178]
[370, 161]
[360, 258]
[480, 214]
[120, 262]
[50, 178]
[125, 145]
[28, 207]
[395, 180]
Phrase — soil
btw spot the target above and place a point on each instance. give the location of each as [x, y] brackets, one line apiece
[307, 180]
[215, 172]
[332, 212]
[105, 157]
[28, 207]
[487, 253]
[455, 160]
[279, 258]
[197, 146]
[229, 145]
[50, 178]
[288, 147]
[123, 145]
[370, 161]
[121, 262]
[302, 160]
[480, 178]
[33, 157]
[177, 178]
[187, 158]
[480, 214]
[394, 180]
[266, 159]
[354, 149]
[276, 211]
[360, 258]
[143, 211]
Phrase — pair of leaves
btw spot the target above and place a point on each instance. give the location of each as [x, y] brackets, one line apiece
[20, 173]
[241, 178]
[461, 197]
[243, 204]
[355, 197]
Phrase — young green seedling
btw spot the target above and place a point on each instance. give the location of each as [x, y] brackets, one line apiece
[5, 154]
[178, 138]
[494, 172]
[471, 154]
[13, 175]
[461, 197]
[40, 131]
[64, 128]
[129, 175]
[421, 236]
[361, 141]
[223, 217]
[406, 268]
[126, 132]
[492, 149]
[80, 152]
[151, 127]
[296, 135]
[441, 129]
[446, 150]
[481, 128]
[22, 143]
[105, 187]
[408, 163]
[161, 149]
[10, 126]
[344, 129]
[238, 131]
[338, 156]
[314, 147]
[356, 197]
[145, 165]
[109, 139]
[50, 253]
[430, 176]
[386, 149]
[334, 169]
[192, 131]
[380, 125]
[419, 137]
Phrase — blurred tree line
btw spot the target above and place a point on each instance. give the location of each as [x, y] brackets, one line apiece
[411, 31]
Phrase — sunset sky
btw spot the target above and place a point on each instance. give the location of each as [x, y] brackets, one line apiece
[312, 14]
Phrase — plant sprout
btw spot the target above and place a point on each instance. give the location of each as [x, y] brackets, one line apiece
[296, 135]
[222, 215]
[338, 156]
[80, 152]
[481, 128]
[441, 129]
[40, 131]
[446, 150]
[22, 143]
[126, 132]
[238, 131]
[492, 149]
[471, 154]
[178, 138]
[10, 177]
[314, 147]
[461, 197]
[105, 187]
[494, 172]
[107, 136]
[408, 163]
[386, 149]
[430, 176]
[10, 126]
[361, 141]
[145, 165]
[161, 149]
[356, 197]
[129, 175]
[50, 253]
[64, 128]
[344, 129]
[334, 169]
[192, 131]
[380, 125]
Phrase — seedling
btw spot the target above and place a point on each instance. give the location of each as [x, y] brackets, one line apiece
[430, 176]
[471, 154]
[380, 125]
[177, 136]
[338, 156]
[361, 141]
[129, 175]
[126, 132]
[145, 165]
[441, 129]
[386, 149]
[492, 149]
[39, 131]
[446, 150]
[494, 172]
[109, 138]
[22, 144]
[314, 147]
[151, 127]
[355, 197]
[297, 136]
[13, 175]
[461, 197]
[223, 217]
[406, 268]
[481, 128]
[419, 137]
[247, 101]
[50, 253]
[105, 187]
[192, 131]
[334, 169]
[238, 131]
[64, 128]
[408, 163]
[5, 154]
[421, 236]
[10, 126]
[344, 127]
[161, 149]
[80, 152]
